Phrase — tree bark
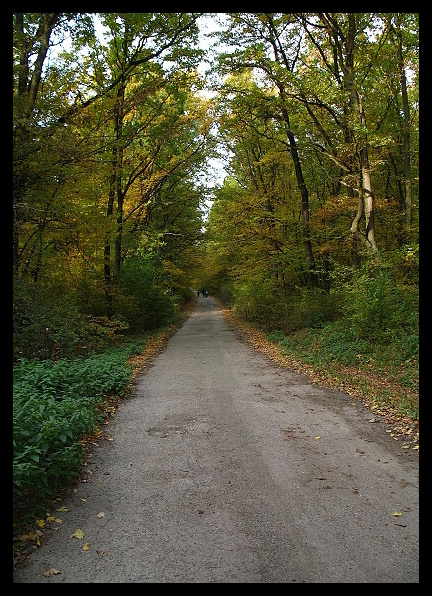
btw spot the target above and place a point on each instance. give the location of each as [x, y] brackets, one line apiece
[345, 57]
[313, 277]
[119, 190]
[283, 60]
[406, 126]
[110, 211]
[27, 90]
[357, 107]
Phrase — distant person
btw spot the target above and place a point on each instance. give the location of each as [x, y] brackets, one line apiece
[198, 293]
[206, 294]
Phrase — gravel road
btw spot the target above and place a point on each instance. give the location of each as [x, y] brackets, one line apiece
[226, 468]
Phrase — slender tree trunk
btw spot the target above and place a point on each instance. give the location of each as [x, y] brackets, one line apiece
[110, 211]
[355, 232]
[365, 202]
[313, 277]
[344, 53]
[368, 198]
[118, 240]
[27, 90]
[119, 191]
[119, 170]
[406, 127]
[282, 58]
[45, 27]
[356, 105]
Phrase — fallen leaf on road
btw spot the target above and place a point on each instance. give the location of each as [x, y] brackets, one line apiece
[51, 571]
[86, 546]
[63, 508]
[100, 551]
[101, 514]
[372, 420]
[397, 514]
[318, 437]
[78, 534]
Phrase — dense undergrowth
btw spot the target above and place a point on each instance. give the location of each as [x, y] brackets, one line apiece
[384, 374]
[55, 404]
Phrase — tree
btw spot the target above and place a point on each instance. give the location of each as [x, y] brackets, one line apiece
[137, 42]
[329, 72]
[397, 32]
[259, 35]
[111, 121]
[33, 37]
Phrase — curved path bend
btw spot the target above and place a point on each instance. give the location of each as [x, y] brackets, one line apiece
[226, 468]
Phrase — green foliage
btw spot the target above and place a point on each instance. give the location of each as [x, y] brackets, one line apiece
[145, 301]
[276, 336]
[256, 301]
[265, 303]
[370, 324]
[47, 326]
[311, 308]
[226, 293]
[42, 326]
[379, 308]
[338, 342]
[54, 405]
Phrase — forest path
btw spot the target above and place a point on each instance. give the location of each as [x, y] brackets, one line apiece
[226, 468]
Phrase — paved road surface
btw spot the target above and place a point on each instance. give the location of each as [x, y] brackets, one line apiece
[216, 474]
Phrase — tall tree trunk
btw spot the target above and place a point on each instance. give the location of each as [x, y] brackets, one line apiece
[343, 51]
[282, 58]
[313, 277]
[357, 107]
[27, 90]
[119, 191]
[119, 170]
[110, 211]
[119, 236]
[406, 127]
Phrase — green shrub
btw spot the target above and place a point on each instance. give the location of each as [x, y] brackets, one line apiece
[257, 301]
[144, 300]
[43, 326]
[54, 405]
[226, 293]
[338, 342]
[380, 309]
[276, 336]
[313, 308]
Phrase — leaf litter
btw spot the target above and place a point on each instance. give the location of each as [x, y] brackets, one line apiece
[402, 427]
